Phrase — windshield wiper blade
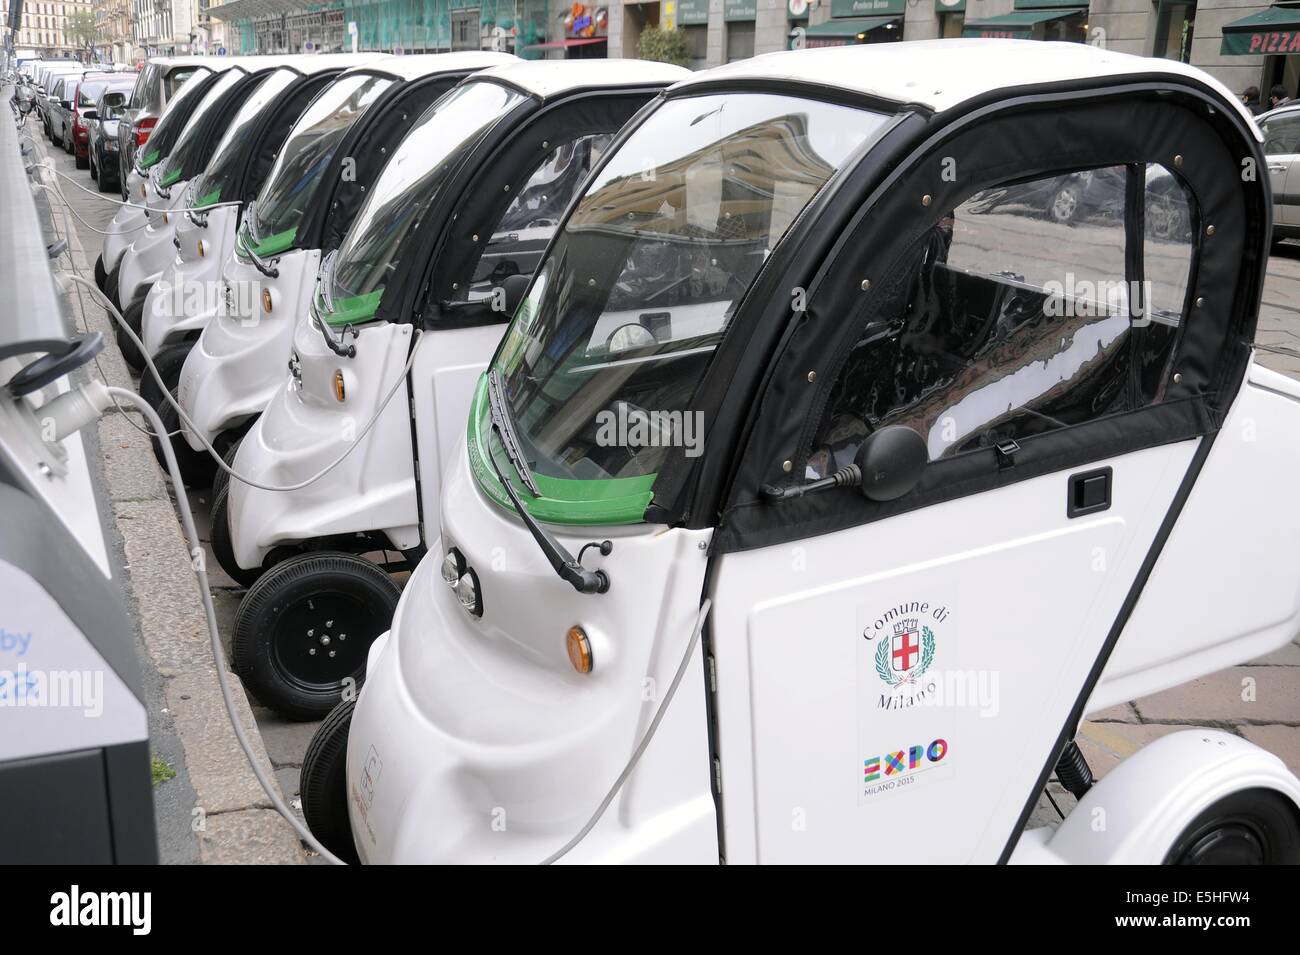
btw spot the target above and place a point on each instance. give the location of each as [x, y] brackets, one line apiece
[506, 429]
[568, 567]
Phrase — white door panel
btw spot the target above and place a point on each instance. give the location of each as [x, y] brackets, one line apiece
[844, 739]
[1230, 523]
[446, 371]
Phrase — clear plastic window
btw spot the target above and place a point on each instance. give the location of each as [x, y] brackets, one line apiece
[1014, 316]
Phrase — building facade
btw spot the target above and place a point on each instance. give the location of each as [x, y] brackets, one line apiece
[113, 23]
[49, 27]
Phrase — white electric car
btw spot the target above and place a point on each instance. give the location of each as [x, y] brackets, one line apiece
[130, 220]
[170, 181]
[458, 217]
[935, 480]
[185, 297]
[338, 146]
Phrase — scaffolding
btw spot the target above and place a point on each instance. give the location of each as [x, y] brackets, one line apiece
[390, 26]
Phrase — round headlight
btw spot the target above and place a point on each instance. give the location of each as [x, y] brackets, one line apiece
[451, 568]
[467, 593]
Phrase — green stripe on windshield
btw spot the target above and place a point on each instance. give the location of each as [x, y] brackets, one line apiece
[171, 177]
[210, 199]
[268, 247]
[350, 311]
[563, 501]
[151, 159]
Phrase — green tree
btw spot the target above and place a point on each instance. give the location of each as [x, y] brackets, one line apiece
[80, 30]
[664, 46]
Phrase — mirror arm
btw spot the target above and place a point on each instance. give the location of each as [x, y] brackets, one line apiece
[848, 476]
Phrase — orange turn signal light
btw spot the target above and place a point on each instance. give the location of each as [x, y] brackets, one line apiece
[579, 649]
[338, 385]
[266, 305]
[201, 253]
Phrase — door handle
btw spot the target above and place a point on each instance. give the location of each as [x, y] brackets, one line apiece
[1277, 167]
[1089, 492]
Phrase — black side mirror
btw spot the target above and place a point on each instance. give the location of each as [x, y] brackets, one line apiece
[89, 115]
[513, 289]
[892, 461]
[65, 103]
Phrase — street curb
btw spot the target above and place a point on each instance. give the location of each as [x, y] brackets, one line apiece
[231, 819]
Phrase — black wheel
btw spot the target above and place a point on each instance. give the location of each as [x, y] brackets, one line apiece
[94, 173]
[169, 363]
[223, 548]
[1251, 827]
[196, 466]
[81, 162]
[221, 480]
[305, 627]
[134, 315]
[101, 274]
[110, 287]
[323, 784]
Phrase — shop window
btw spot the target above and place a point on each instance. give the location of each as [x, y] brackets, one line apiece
[1071, 29]
[1175, 21]
[697, 44]
[740, 40]
[1014, 316]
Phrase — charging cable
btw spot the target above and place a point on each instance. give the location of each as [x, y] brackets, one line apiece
[212, 452]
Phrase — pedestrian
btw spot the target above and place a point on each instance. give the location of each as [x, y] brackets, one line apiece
[1277, 96]
[1250, 98]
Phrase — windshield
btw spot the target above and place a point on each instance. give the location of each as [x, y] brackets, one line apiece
[173, 122]
[310, 147]
[405, 190]
[232, 151]
[191, 153]
[603, 357]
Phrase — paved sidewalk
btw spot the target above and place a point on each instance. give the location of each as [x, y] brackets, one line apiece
[213, 810]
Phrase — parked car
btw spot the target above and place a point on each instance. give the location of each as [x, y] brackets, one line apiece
[65, 112]
[85, 98]
[155, 86]
[50, 93]
[1281, 129]
[101, 136]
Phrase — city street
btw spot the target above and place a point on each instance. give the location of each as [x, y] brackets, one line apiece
[1256, 700]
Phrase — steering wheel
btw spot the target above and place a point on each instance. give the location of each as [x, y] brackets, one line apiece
[61, 357]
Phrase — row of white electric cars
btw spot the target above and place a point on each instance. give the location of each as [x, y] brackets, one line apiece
[747, 441]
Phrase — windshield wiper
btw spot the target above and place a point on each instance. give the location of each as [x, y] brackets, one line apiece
[567, 566]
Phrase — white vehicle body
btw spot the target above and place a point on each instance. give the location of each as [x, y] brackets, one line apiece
[798, 735]
[151, 251]
[238, 362]
[304, 427]
[183, 299]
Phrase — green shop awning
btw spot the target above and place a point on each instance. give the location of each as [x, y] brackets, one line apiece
[1275, 31]
[1015, 26]
[844, 31]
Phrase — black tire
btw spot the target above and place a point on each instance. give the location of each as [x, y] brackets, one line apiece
[196, 466]
[81, 162]
[223, 548]
[94, 172]
[169, 363]
[110, 287]
[101, 275]
[1066, 204]
[134, 315]
[1251, 827]
[221, 480]
[296, 614]
[323, 784]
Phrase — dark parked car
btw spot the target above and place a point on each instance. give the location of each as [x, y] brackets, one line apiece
[102, 142]
[85, 99]
[63, 114]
